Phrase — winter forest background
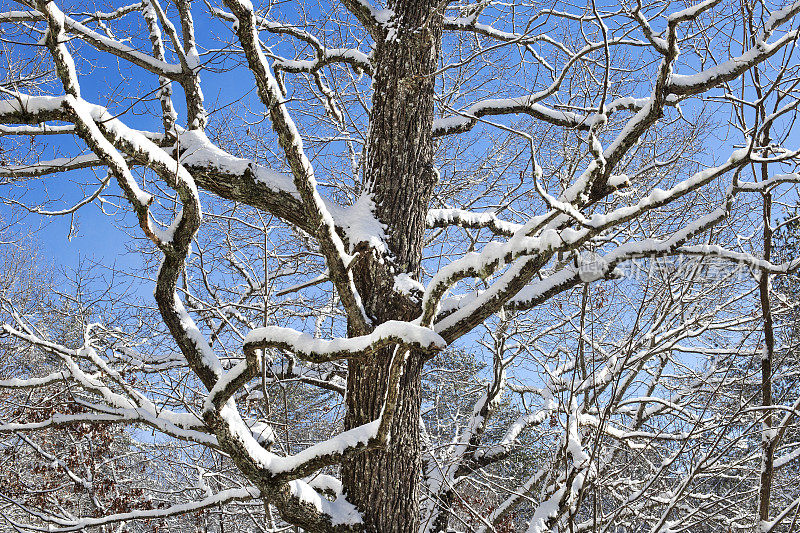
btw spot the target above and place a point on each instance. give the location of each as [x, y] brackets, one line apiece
[423, 266]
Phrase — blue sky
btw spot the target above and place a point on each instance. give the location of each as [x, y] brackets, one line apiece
[95, 234]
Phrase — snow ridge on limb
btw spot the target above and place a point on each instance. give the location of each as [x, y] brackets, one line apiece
[708, 250]
[289, 138]
[222, 497]
[190, 64]
[30, 383]
[43, 129]
[530, 104]
[106, 44]
[372, 18]
[441, 218]
[689, 84]
[358, 59]
[59, 164]
[405, 335]
[168, 113]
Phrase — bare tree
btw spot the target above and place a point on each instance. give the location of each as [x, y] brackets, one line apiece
[448, 189]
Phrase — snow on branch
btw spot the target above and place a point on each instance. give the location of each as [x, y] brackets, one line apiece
[410, 336]
[323, 56]
[531, 105]
[101, 42]
[373, 19]
[222, 497]
[197, 152]
[509, 440]
[442, 218]
[356, 58]
[688, 84]
[280, 478]
[768, 184]
[52, 166]
[340, 511]
[470, 24]
[20, 16]
[168, 113]
[30, 383]
[467, 119]
[110, 15]
[89, 119]
[405, 335]
[121, 50]
[709, 250]
[43, 129]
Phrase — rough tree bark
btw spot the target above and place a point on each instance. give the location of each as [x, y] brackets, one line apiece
[399, 173]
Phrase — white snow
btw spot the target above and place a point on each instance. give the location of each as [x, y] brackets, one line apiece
[405, 284]
[31, 104]
[304, 344]
[275, 464]
[121, 49]
[359, 223]
[592, 266]
[263, 433]
[455, 216]
[341, 511]
[519, 104]
[198, 150]
[544, 512]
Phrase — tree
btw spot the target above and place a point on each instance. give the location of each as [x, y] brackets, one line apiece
[386, 122]
[78, 468]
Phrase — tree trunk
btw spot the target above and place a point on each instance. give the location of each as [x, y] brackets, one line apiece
[399, 173]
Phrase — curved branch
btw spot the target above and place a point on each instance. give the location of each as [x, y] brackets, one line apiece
[409, 336]
[442, 218]
[222, 497]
